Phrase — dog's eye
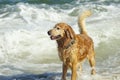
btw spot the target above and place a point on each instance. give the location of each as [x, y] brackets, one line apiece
[58, 28]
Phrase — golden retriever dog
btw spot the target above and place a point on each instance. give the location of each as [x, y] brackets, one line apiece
[73, 48]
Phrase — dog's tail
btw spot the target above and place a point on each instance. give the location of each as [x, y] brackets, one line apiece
[81, 21]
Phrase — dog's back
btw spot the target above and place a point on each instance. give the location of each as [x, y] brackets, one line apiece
[85, 44]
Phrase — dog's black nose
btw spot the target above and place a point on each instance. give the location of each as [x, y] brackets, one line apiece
[49, 32]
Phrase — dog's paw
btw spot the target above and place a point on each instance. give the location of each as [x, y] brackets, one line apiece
[93, 72]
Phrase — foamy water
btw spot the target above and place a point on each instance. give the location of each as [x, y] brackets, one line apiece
[27, 53]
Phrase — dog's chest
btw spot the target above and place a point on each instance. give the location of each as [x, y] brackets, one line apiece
[66, 54]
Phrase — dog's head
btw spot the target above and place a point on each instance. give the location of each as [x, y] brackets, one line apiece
[61, 30]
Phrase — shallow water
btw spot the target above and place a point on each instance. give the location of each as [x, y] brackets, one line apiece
[27, 53]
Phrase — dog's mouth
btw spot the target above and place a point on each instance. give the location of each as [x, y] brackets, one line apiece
[55, 37]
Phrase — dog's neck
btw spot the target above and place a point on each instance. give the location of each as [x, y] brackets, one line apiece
[65, 43]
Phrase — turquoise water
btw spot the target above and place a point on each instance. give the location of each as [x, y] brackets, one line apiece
[27, 53]
[55, 1]
[36, 1]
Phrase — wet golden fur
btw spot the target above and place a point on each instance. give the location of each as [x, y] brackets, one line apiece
[72, 54]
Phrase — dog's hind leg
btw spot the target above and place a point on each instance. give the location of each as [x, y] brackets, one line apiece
[91, 59]
[80, 67]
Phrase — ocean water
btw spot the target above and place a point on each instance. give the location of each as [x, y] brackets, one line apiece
[27, 53]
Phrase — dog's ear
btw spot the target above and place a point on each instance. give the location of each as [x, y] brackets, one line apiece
[69, 32]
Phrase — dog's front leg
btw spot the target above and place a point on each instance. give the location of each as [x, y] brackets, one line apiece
[64, 72]
[74, 73]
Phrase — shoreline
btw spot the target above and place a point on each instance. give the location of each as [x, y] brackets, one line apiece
[54, 76]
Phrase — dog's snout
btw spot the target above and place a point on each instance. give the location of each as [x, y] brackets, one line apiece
[49, 32]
